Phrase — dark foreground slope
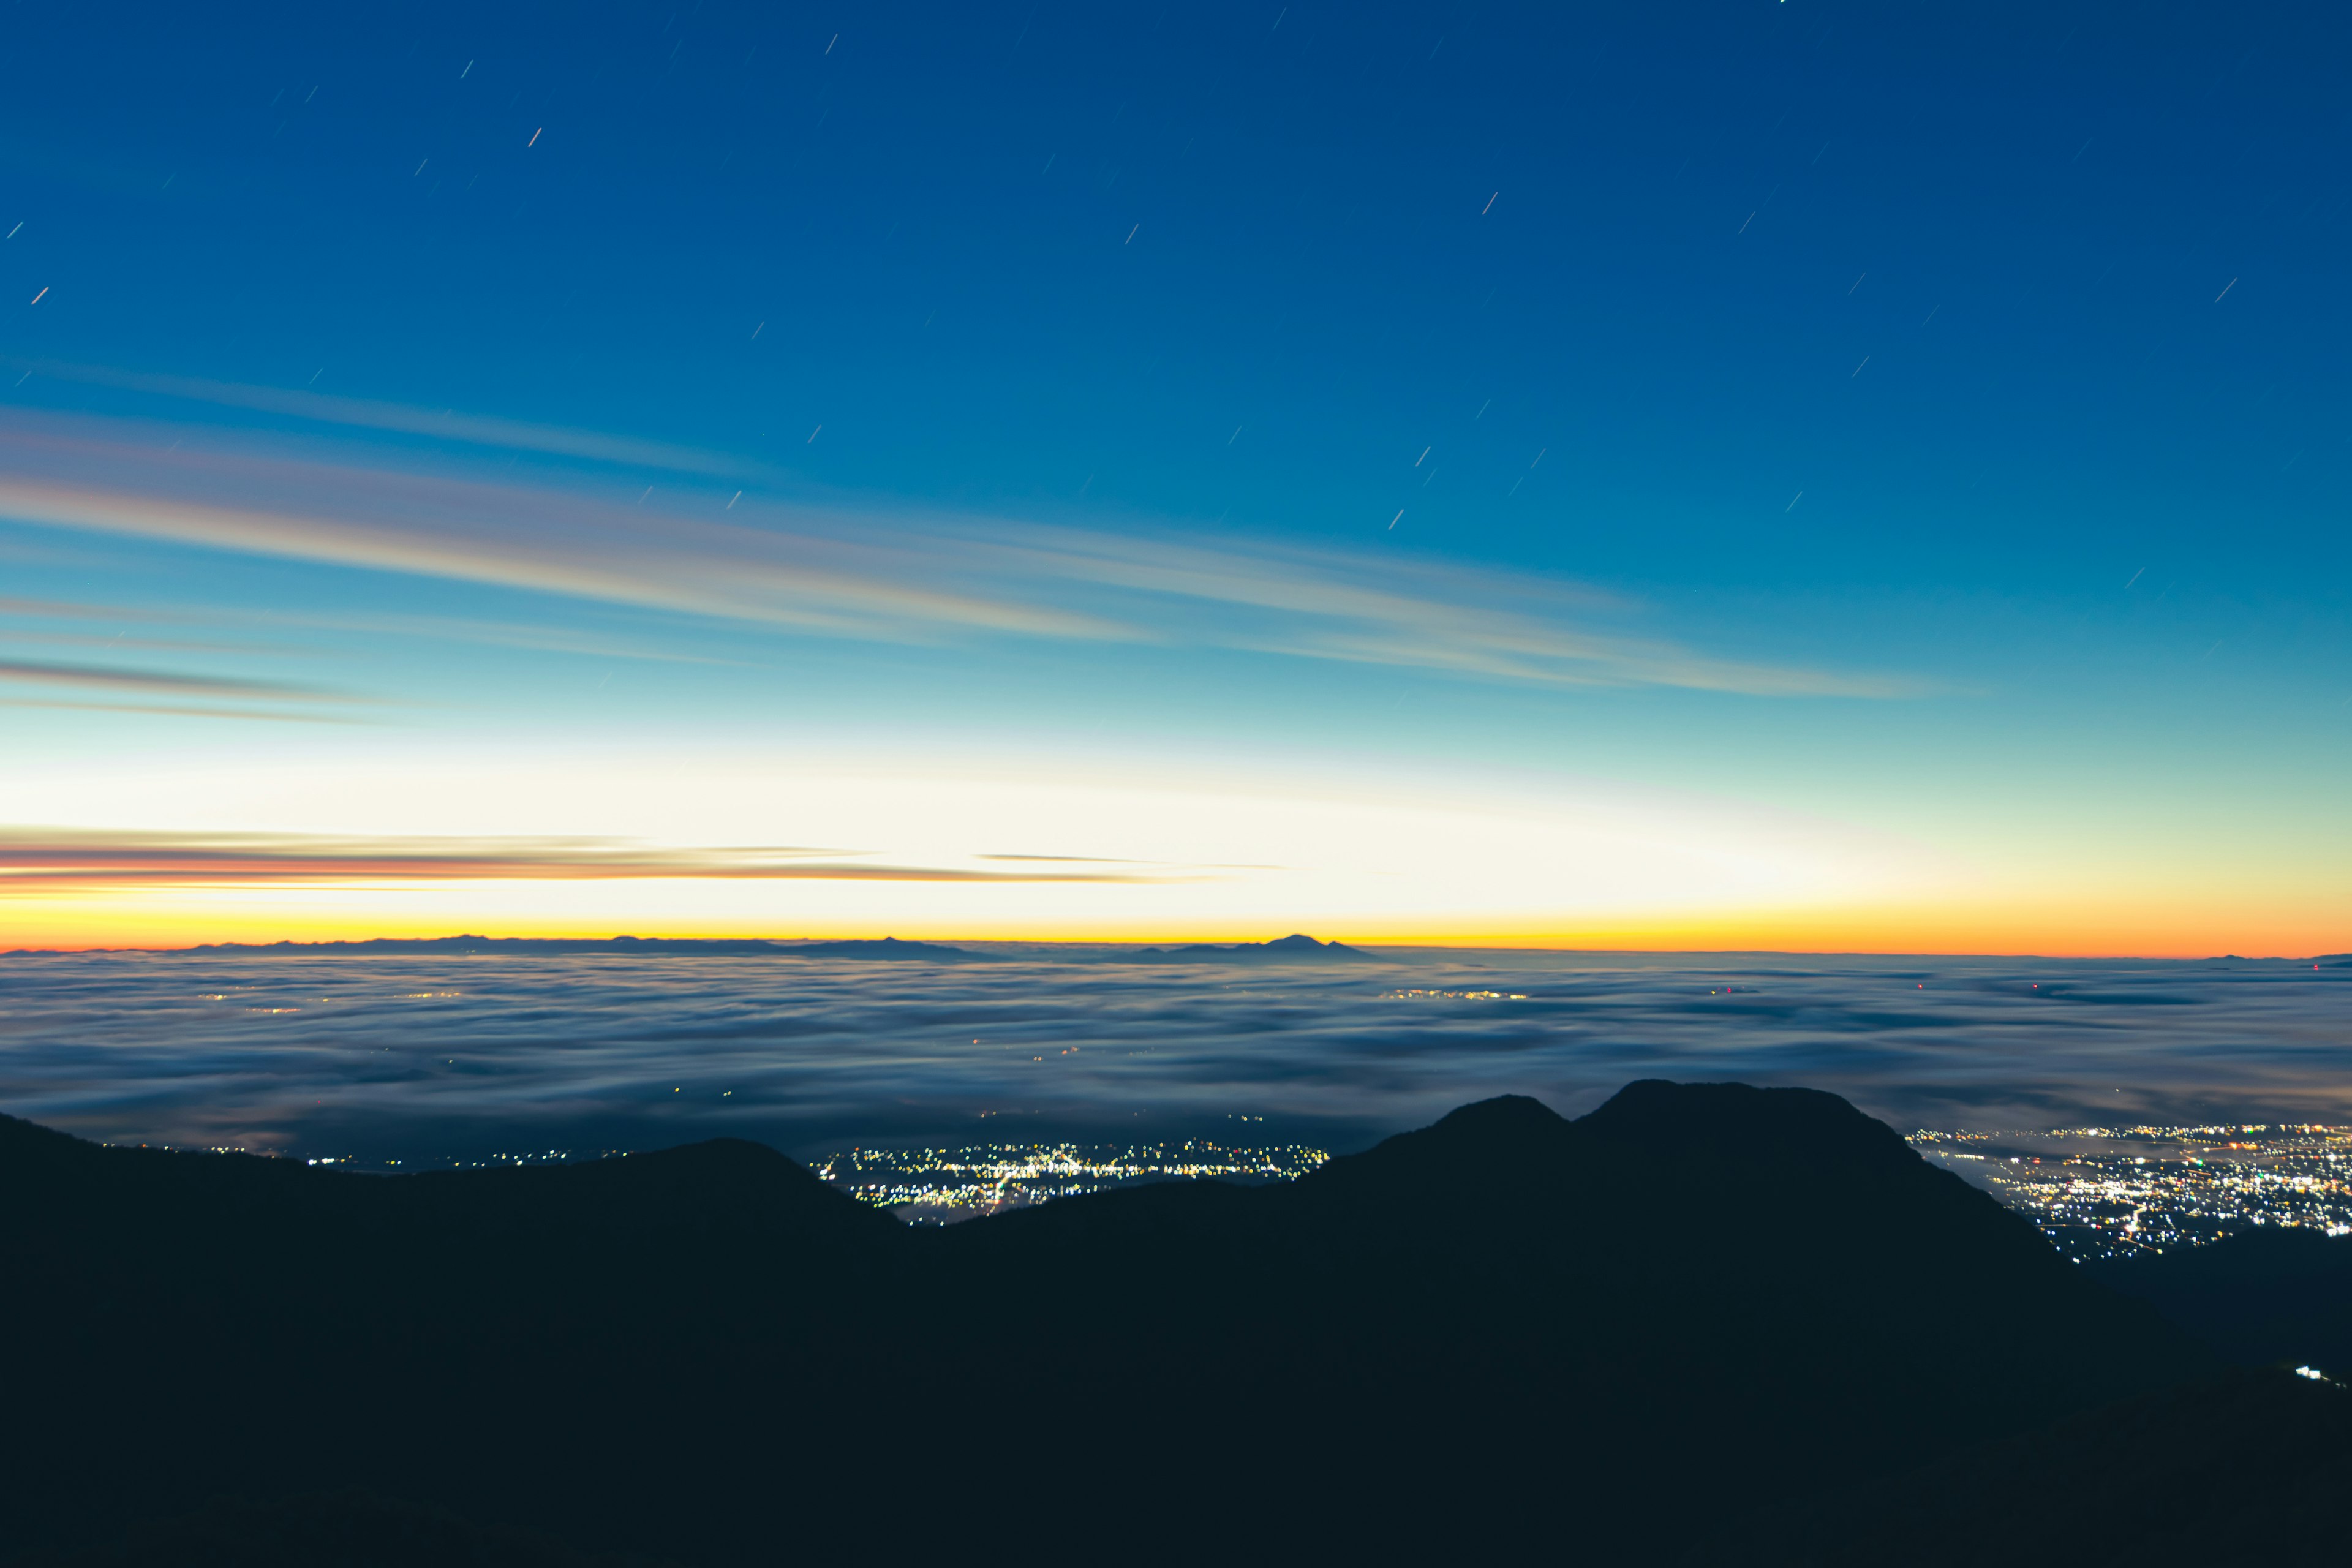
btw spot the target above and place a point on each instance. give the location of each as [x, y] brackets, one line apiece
[1505, 1330]
[556, 1352]
[1695, 1298]
[2263, 1297]
[336, 1530]
[2252, 1468]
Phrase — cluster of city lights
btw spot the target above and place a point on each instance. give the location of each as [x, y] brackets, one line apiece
[2109, 1192]
[1454, 997]
[942, 1186]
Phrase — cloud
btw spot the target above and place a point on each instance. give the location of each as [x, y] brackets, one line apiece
[493, 634]
[1073, 859]
[44, 611]
[104, 680]
[151, 682]
[577, 544]
[159, 645]
[181, 711]
[449, 628]
[68, 610]
[56, 860]
[902, 576]
[443, 423]
[426, 1056]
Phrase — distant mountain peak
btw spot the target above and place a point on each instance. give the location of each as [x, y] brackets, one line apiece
[1295, 948]
[887, 947]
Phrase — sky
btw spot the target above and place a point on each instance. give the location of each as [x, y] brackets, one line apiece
[1790, 475]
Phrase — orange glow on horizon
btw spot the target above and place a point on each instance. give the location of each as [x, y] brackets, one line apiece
[2047, 931]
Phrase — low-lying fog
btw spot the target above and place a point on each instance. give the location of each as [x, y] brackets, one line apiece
[426, 1059]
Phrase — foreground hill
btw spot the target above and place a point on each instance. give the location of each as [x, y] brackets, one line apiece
[1689, 1305]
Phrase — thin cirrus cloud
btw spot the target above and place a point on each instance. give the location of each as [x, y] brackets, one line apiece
[149, 682]
[183, 710]
[112, 689]
[902, 576]
[541, 540]
[35, 860]
[499, 634]
[1330, 606]
[70, 610]
[157, 645]
[407, 419]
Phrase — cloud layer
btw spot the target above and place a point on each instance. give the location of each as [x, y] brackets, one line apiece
[423, 1058]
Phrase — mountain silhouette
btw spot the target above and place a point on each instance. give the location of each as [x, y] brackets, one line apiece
[1293, 948]
[561, 946]
[887, 947]
[1638, 1327]
[513, 946]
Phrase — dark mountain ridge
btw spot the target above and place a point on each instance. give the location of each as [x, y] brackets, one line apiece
[1694, 1301]
[889, 947]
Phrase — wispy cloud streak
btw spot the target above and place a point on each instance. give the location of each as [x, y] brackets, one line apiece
[1335, 605]
[54, 860]
[899, 576]
[181, 711]
[67, 610]
[542, 541]
[441, 424]
[152, 681]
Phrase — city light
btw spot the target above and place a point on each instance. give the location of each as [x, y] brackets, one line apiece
[2105, 1191]
[938, 1186]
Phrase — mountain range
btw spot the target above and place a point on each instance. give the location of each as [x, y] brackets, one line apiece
[1704, 1322]
[1293, 948]
[1285, 950]
[889, 947]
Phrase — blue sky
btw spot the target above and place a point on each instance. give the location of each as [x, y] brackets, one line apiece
[1914, 424]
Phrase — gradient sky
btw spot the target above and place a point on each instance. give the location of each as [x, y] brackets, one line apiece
[1751, 475]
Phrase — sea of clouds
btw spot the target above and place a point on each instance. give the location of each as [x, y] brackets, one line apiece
[427, 1059]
